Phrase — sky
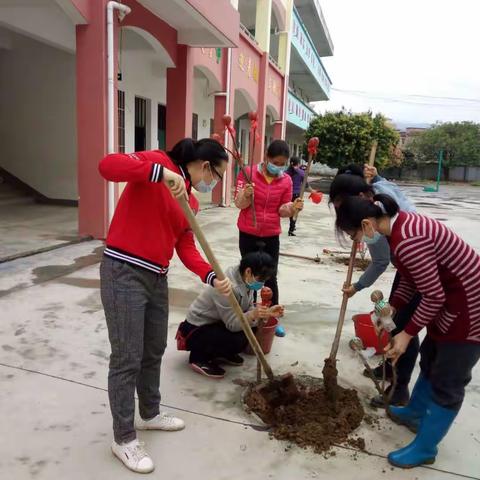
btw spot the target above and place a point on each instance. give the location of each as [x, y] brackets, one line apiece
[391, 56]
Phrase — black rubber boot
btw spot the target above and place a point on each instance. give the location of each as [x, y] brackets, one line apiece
[400, 397]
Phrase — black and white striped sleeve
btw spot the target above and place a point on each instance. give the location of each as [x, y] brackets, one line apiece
[210, 278]
[156, 174]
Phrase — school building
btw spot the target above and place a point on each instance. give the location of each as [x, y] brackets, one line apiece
[80, 78]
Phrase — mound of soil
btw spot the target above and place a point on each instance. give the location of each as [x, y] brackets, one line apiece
[311, 421]
[359, 264]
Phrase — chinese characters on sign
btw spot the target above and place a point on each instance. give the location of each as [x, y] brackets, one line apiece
[275, 87]
[246, 64]
[213, 52]
[298, 113]
[303, 43]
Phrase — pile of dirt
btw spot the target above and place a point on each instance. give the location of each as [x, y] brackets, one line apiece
[359, 264]
[312, 421]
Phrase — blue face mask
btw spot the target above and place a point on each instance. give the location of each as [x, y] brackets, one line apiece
[274, 170]
[256, 285]
[370, 241]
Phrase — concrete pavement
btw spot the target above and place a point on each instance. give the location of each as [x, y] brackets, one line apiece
[54, 356]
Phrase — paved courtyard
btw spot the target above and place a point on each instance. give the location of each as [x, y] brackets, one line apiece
[54, 355]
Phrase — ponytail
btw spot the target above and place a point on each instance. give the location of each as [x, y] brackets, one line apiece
[189, 150]
[387, 204]
[355, 209]
[348, 184]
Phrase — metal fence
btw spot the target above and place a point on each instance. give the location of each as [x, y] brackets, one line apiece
[463, 173]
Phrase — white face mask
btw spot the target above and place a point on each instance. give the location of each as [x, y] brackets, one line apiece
[204, 187]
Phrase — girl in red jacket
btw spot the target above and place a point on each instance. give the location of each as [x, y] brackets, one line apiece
[272, 200]
[445, 270]
[147, 227]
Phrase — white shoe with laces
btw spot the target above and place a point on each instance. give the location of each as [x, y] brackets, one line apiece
[133, 456]
[163, 421]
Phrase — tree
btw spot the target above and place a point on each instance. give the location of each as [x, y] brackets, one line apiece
[460, 142]
[347, 137]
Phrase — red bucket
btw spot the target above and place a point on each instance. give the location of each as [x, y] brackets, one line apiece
[365, 330]
[266, 339]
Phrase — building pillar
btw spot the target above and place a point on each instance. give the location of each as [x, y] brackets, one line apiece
[263, 19]
[180, 97]
[278, 130]
[262, 107]
[284, 40]
[91, 90]
[219, 109]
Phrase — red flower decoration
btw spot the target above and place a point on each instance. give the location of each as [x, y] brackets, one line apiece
[316, 197]
[312, 145]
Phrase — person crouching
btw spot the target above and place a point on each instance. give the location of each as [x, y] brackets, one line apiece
[212, 332]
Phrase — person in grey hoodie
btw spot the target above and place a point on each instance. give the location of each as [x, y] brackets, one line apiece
[212, 332]
[354, 180]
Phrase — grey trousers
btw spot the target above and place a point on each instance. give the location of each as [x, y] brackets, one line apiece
[135, 301]
[448, 366]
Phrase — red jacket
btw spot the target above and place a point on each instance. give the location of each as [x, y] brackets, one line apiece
[148, 223]
[272, 201]
[434, 261]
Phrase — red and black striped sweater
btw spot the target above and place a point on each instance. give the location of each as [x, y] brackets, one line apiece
[434, 261]
[148, 223]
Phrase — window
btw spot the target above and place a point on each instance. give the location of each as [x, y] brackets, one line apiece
[162, 126]
[195, 126]
[121, 120]
[140, 124]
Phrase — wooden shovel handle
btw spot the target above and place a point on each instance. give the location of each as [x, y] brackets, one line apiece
[373, 153]
[221, 276]
[343, 308]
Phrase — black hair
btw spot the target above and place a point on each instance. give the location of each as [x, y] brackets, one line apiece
[348, 185]
[294, 162]
[189, 150]
[261, 264]
[278, 148]
[351, 169]
[355, 209]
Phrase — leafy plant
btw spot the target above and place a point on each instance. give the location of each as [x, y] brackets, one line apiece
[347, 137]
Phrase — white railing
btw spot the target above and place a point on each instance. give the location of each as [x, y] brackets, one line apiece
[274, 62]
[247, 32]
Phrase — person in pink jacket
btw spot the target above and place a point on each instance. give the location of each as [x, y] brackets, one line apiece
[271, 190]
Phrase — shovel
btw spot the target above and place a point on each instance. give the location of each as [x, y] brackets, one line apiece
[330, 369]
[277, 391]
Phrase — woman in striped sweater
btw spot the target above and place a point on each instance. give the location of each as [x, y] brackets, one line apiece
[445, 270]
[353, 180]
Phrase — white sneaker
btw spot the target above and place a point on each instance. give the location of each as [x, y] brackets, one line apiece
[133, 456]
[163, 421]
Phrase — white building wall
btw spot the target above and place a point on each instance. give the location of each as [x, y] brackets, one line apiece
[143, 75]
[203, 105]
[38, 117]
